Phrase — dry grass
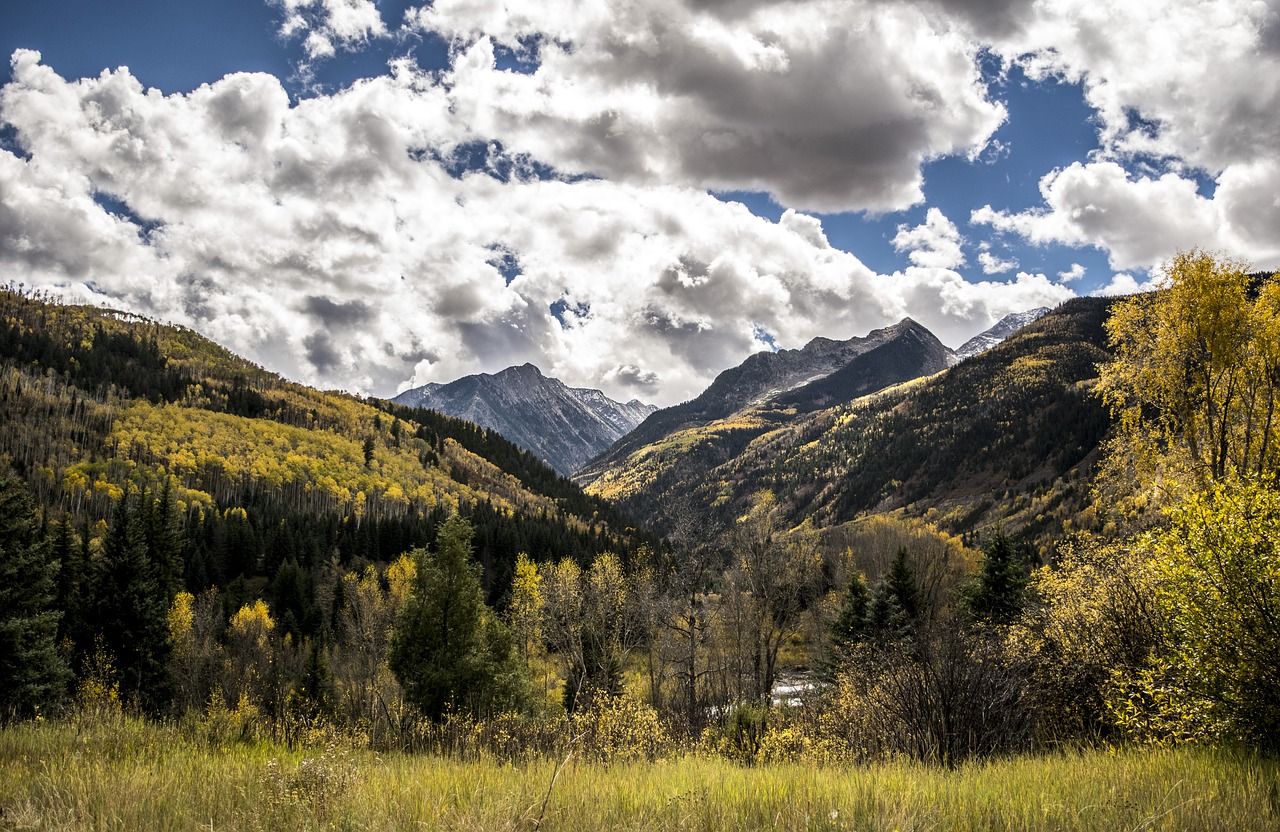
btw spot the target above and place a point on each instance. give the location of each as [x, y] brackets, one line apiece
[119, 773]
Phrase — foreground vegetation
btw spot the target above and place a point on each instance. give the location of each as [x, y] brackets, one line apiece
[119, 773]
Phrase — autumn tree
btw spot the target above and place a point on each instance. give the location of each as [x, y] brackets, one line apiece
[1195, 380]
[591, 622]
[32, 673]
[775, 583]
[1218, 586]
[364, 683]
[1091, 623]
[196, 624]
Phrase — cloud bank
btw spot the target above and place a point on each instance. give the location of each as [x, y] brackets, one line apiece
[548, 196]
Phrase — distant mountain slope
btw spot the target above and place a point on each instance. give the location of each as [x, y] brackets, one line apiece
[97, 403]
[1005, 435]
[563, 425]
[766, 377]
[1001, 330]
[912, 352]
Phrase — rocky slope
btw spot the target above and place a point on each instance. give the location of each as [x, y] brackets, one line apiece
[566, 426]
[1002, 329]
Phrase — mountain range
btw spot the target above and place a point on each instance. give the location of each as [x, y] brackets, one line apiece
[564, 426]
[1006, 435]
[570, 427]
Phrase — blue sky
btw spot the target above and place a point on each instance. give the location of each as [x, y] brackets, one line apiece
[370, 195]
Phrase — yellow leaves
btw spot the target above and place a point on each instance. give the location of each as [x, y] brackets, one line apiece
[1194, 382]
[253, 622]
[400, 577]
[181, 619]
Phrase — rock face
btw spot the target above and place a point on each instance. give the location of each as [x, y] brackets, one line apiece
[566, 426]
[1003, 328]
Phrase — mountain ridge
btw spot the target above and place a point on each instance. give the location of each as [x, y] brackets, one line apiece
[565, 426]
[1001, 436]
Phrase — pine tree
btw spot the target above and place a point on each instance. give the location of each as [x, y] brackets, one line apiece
[131, 610]
[32, 673]
[850, 625]
[450, 652]
[164, 540]
[996, 594]
[72, 565]
[896, 607]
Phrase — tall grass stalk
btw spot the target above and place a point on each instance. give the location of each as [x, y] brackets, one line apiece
[120, 773]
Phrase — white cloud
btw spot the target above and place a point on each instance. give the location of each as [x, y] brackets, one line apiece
[1203, 77]
[1072, 274]
[1126, 284]
[323, 239]
[1140, 221]
[991, 264]
[330, 24]
[933, 244]
[826, 104]
[955, 309]
[1178, 88]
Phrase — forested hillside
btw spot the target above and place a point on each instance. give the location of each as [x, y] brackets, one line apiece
[1004, 436]
[257, 472]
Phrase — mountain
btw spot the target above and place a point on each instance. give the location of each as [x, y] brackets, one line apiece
[1002, 329]
[260, 471]
[1007, 436]
[908, 351]
[566, 426]
[773, 385]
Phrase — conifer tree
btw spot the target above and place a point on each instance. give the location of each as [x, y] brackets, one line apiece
[32, 673]
[449, 651]
[164, 540]
[72, 565]
[996, 594]
[850, 625]
[131, 610]
[896, 607]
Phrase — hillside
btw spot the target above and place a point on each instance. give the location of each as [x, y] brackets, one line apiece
[565, 426]
[1002, 436]
[261, 471]
[743, 401]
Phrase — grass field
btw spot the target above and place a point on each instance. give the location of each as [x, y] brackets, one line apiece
[124, 774]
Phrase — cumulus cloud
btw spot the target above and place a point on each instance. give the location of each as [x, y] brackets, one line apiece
[328, 25]
[991, 263]
[1178, 89]
[955, 309]
[1072, 274]
[1141, 220]
[328, 239]
[1126, 284]
[828, 105]
[934, 244]
[1195, 82]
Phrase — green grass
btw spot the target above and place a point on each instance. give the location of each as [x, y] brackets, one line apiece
[123, 774]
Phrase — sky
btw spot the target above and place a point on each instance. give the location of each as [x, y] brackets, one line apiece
[633, 195]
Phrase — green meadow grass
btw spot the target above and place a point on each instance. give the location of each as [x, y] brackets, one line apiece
[125, 774]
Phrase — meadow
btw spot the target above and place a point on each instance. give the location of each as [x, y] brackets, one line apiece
[121, 773]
